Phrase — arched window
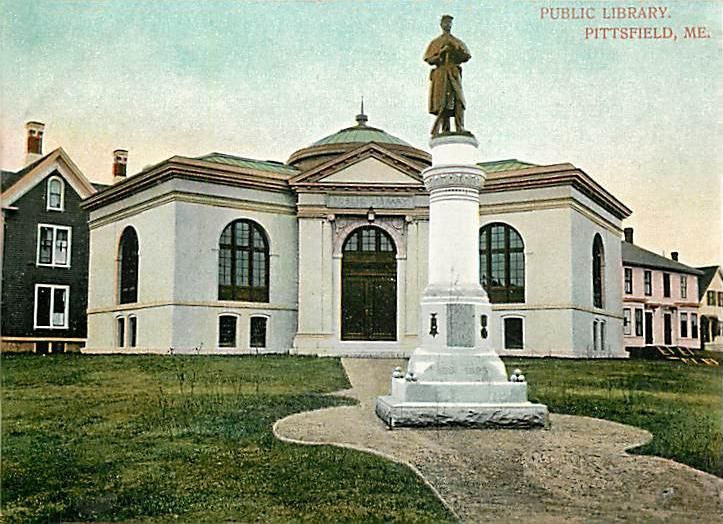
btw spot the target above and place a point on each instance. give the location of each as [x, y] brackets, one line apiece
[56, 193]
[502, 263]
[243, 263]
[598, 266]
[128, 267]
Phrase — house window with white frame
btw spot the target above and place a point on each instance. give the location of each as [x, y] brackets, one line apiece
[56, 194]
[638, 322]
[628, 280]
[51, 306]
[711, 298]
[648, 283]
[53, 245]
[684, 325]
[627, 320]
[683, 286]
[694, 325]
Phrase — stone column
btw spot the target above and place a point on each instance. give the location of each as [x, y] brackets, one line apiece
[455, 377]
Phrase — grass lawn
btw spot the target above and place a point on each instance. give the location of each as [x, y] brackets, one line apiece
[679, 404]
[154, 438]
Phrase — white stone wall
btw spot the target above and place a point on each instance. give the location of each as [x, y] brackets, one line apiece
[178, 304]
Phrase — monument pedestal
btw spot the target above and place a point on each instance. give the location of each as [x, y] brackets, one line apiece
[455, 377]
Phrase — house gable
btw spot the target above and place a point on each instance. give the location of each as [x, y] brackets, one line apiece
[58, 162]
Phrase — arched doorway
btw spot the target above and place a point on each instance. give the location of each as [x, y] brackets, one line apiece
[369, 286]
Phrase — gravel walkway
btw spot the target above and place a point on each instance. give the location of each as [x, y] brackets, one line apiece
[577, 471]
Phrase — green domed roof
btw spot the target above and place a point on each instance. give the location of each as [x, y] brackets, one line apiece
[361, 133]
[351, 138]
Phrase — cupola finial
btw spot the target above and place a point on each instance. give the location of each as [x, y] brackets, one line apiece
[361, 118]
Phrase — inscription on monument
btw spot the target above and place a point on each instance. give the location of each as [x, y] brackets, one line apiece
[460, 325]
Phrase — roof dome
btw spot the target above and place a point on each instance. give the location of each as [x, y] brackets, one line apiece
[350, 138]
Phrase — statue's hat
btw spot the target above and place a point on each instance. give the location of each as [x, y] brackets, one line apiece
[447, 17]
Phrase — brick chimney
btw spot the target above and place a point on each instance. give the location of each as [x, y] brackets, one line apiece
[674, 255]
[35, 141]
[120, 159]
[628, 232]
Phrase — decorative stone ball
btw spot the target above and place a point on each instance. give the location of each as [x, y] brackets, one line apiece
[520, 378]
[513, 378]
[517, 372]
[397, 373]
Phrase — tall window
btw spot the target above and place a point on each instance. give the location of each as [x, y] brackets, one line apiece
[638, 322]
[258, 332]
[513, 333]
[56, 194]
[720, 298]
[51, 306]
[628, 280]
[120, 331]
[710, 295]
[648, 283]
[627, 321]
[602, 335]
[684, 325]
[666, 284]
[227, 331]
[128, 267]
[598, 265]
[53, 245]
[694, 325]
[502, 263]
[132, 331]
[243, 263]
[683, 286]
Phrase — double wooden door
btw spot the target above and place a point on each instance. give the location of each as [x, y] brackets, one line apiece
[369, 287]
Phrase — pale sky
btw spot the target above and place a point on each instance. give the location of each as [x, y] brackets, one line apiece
[263, 79]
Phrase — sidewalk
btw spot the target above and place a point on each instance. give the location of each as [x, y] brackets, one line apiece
[577, 471]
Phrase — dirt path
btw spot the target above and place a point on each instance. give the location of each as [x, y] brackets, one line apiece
[577, 471]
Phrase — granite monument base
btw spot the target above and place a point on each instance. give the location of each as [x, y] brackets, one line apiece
[523, 415]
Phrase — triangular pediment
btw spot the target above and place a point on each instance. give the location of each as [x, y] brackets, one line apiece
[370, 165]
[57, 161]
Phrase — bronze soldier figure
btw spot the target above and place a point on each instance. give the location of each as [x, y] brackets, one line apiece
[445, 95]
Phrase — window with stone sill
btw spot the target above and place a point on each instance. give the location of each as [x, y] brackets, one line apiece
[120, 332]
[513, 333]
[128, 267]
[56, 194]
[53, 245]
[243, 263]
[648, 283]
[502, 263]
[227, 330]
[598, 271]
[711, 298]
[257, 337]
